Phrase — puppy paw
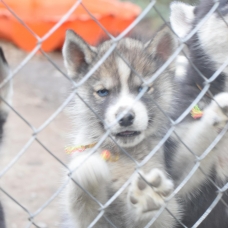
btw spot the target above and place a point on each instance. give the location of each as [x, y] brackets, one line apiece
[216, 114]
[146, 197]
[91, 173]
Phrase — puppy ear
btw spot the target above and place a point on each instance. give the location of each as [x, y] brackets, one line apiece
[77, 53]
[163, 45]
[181, 18]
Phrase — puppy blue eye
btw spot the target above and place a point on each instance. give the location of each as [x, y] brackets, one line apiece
[103, 92]
[140, 89]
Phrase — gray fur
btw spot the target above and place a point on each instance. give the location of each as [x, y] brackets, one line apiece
[103, 179]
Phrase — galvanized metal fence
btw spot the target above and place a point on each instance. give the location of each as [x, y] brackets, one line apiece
[31, 215]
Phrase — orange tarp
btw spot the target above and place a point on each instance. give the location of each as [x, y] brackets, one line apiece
[41, 15]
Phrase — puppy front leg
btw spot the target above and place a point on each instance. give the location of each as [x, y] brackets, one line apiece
[93, 176]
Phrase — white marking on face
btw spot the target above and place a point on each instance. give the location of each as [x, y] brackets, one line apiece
[127, 102]
[130, 43]
[124, 74]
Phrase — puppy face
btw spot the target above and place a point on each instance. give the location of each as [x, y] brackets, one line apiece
[112, 90]
[129, 118]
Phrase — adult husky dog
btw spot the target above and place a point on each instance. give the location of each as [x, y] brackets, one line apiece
[5, 93]
[208, 51]
[111, 92]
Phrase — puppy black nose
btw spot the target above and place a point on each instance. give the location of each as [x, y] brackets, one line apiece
[127, 120]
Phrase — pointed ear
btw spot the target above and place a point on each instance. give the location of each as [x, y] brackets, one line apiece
[163, 45]
[77, 53]
[181, 18]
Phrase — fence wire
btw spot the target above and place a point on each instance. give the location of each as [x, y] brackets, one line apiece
[31, 215]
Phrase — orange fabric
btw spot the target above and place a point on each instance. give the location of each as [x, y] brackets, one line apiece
[41, 15]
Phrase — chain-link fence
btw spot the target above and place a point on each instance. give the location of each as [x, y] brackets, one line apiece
[33, 162]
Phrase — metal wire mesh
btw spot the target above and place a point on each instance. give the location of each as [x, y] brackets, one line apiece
[35, 131]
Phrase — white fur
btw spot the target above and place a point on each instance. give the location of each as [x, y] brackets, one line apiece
[181, 18]
[92, 175]
[181, 66]
[215, 43]
[129, 43]
[149, 193]
[127, 102]
[124, 73]
[149, 199]
[140, 123]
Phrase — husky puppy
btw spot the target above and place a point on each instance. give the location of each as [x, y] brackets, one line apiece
[111, 92]
[5, 93]
[208, 50]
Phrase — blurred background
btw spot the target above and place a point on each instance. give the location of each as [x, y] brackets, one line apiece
[32, 174]
[163, 7]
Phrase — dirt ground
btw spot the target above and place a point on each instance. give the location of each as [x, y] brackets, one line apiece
[39, 89]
